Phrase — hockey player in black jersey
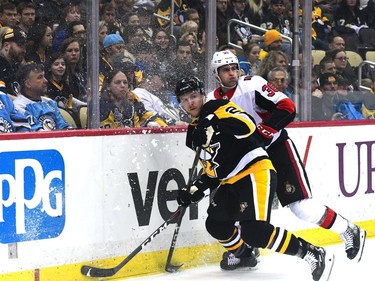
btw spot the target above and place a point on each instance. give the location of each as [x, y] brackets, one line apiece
[237, 166]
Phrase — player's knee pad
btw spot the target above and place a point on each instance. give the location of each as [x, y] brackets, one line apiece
[220, 230]
[256, 233]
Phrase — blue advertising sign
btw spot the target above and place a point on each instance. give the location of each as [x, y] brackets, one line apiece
[32, 195]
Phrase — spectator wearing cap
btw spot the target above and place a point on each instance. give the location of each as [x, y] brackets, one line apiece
[42, 112]
[12, 53]
[8, 14]
[112, 44]
[272, 42]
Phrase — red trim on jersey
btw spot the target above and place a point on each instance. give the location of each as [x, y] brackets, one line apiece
[297, 168]
[287, 105]
[218, 94]
[328, 219]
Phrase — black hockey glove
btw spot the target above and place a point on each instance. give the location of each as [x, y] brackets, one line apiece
[185, 197]
[203, 133]
[266, 132]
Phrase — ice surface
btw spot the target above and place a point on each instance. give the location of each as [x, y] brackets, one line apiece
[281, 267]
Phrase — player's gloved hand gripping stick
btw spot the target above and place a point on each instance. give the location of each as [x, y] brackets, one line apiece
[168, 266]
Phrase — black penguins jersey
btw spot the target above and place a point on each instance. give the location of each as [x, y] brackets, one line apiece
[234, 146]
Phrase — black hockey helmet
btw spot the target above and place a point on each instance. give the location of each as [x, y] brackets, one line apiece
[188, 84]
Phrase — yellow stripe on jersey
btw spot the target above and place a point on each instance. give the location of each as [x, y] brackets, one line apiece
[264, 164]
[231, 110]
[261, 193]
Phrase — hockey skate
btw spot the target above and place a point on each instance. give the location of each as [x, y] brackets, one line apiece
[320, 262]
[354, 239]
[231, 262]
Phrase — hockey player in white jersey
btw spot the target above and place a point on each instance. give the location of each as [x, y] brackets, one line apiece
[273, 111]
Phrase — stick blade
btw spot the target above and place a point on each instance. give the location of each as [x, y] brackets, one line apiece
[97, 272]
[172, 268]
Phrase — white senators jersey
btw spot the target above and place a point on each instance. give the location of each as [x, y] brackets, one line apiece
[261, 100]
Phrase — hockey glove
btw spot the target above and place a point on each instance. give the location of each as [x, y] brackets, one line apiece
[203, 133]
[185, 197]
[266, 132]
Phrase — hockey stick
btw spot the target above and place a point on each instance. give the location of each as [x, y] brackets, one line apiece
[168, 266]
[92, 271]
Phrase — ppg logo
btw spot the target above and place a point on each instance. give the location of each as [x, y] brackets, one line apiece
[32, 195]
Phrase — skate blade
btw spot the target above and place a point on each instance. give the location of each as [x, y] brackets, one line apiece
[362, 239]
[329, 261]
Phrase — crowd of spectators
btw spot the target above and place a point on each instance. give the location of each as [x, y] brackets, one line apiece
[44, 50]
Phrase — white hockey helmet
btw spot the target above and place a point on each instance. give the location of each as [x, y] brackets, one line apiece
[220, 59]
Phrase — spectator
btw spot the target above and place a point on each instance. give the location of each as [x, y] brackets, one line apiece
[58, 89]
[43, 113]
[193, 15]
[70, 13]
[316, 98]
[164, 47]
[12, 54]
[183, 65]
[153, 95]
[368, 14]
[11, 120]
[187, 27]
[112, 44]
[121, 108]
[250, 62]
[279, 78]
[126, 65]
[192, 39]
[145, 58]
[272, 42]
[275, 18]
[256, 9]
[129, 19]
[49, 12]
[336, 42]
[8, 14]
[103, 32]
[39, 43]
[340, 59]
[237, 11]
[145, 14]
[76, 77]
[26, 12]
[273, 59]
[77, 29]
[163, 9]
[347, 17]
[328, 86]
[222, 18]
[327, 65]
[108, 14]
[133, 38]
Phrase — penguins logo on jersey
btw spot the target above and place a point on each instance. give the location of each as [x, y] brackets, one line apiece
[5, 127]
[48, 122]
